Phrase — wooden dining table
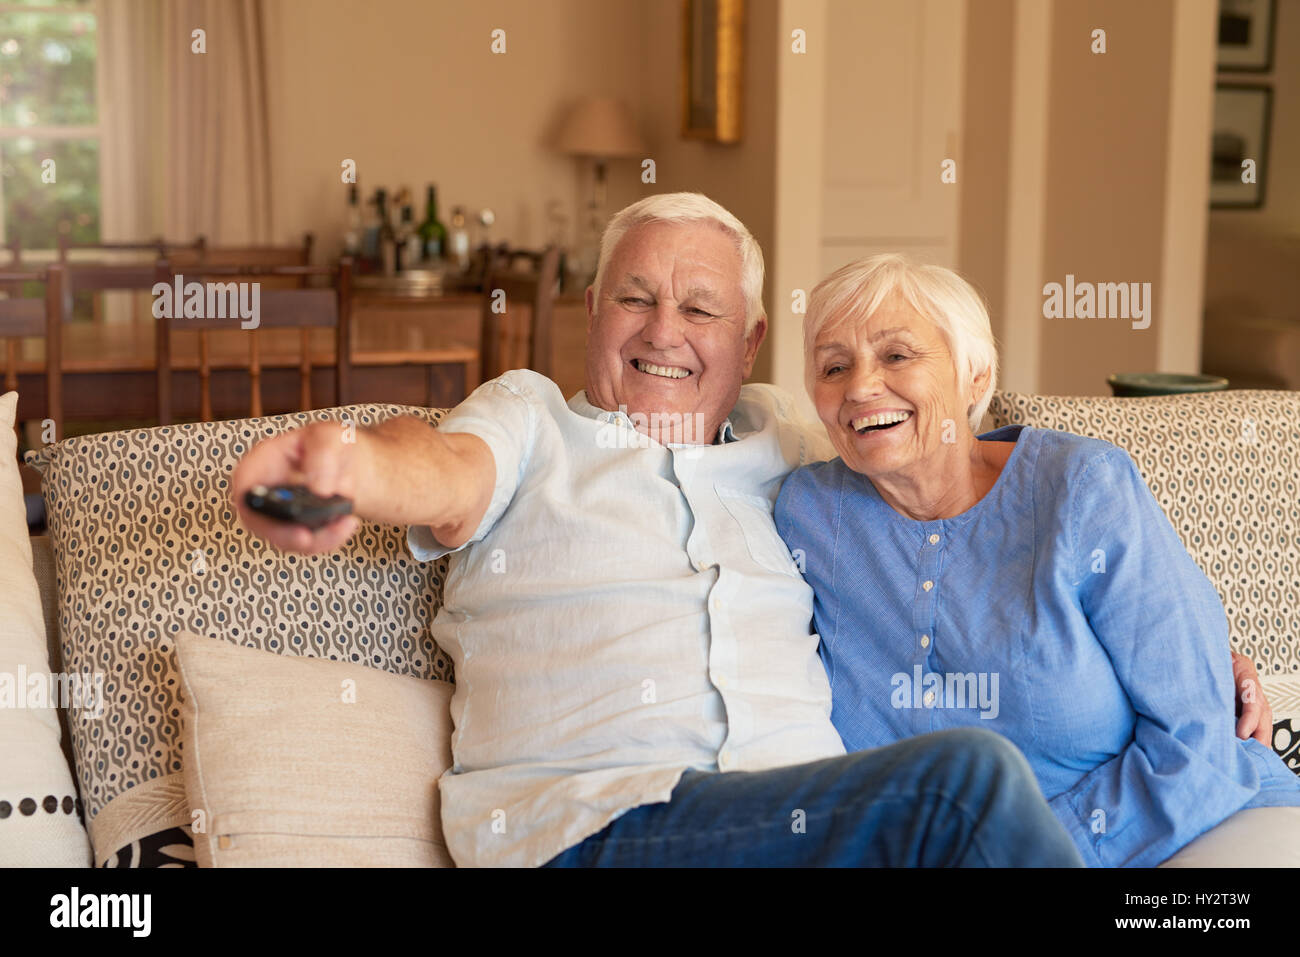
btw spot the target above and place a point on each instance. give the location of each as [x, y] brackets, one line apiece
[406, 350]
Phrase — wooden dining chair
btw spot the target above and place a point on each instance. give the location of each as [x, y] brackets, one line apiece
[304, 308]
[42, 317]
[158, 247]
[13, 251]
[249, 255]
[113, 274]
[508, 340]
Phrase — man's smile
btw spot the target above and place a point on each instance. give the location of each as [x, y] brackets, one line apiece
[666, 372]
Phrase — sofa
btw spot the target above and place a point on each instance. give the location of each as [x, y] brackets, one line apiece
[242, 707]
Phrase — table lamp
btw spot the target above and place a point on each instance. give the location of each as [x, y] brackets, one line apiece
[601, 129]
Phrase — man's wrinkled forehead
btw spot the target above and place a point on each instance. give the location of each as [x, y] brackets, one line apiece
[711, 275]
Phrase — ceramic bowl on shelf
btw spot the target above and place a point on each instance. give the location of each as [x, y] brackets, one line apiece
[1135, 384]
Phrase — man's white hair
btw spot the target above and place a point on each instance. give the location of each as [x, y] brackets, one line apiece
[854, 292]
[684, 208]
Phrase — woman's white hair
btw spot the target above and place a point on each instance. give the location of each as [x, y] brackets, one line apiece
[685, 208]
[854, 292]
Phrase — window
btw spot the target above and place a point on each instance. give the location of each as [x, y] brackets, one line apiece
[49, 122]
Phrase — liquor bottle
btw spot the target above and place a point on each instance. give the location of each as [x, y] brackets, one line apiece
[458, 239]
[412, 245]
[352, 238]
[433, 234]
[400, 231]
[387, 237]
[370, 232]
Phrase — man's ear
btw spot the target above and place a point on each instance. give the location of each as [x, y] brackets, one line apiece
[752, 342]
[591, 308]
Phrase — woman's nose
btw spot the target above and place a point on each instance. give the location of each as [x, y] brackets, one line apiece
[865, 382]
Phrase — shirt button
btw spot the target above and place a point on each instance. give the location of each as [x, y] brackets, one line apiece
[724, 760]
[718, 680]
[927, 585]
[929, 697]
[925, 641]
[934, 539]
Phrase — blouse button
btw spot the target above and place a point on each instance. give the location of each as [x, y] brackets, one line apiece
[929, 697]
[927, 585]
[934, 539]
[925, 641]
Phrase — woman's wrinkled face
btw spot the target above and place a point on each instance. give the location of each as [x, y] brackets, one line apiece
[886, 389]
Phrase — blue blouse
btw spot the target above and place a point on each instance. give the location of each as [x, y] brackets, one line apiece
[1061, 611]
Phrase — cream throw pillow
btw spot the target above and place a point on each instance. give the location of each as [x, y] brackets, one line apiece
[40, 812]
[306, 762]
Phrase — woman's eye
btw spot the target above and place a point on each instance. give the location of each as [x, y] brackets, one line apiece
[896, 357]
[831, 370]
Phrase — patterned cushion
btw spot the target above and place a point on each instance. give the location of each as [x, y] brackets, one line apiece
[1225, 467]
[1283, 694]
[293, 761]
[146, 546]
[38, 826]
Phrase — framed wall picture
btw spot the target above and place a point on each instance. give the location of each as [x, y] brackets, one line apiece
[713, 69]
[1239, 148]
[1246, 35]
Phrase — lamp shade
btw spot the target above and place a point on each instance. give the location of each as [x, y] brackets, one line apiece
[601, 127]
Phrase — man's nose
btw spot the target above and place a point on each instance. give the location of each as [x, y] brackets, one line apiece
[665, 327]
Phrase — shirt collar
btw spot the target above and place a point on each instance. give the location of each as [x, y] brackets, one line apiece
[580, 405]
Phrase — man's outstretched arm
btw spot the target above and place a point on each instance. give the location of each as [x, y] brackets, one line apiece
[400, 472]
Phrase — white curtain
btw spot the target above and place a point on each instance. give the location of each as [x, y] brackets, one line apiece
[185, 149]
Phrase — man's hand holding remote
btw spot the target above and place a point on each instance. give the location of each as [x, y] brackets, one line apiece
[402, 472]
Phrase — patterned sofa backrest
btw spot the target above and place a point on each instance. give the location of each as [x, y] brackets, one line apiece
[1225, 467]
[146, 544]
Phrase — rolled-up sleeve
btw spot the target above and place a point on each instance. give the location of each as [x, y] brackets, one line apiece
[1163, 627]
[503, 413]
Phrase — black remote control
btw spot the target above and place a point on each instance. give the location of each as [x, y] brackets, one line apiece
[296, 505]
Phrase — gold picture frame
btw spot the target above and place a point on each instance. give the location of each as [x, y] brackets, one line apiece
[713, 69]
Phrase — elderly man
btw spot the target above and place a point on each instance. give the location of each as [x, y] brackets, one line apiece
[636, 679]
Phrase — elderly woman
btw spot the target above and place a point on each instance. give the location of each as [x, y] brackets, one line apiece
[1024, 581]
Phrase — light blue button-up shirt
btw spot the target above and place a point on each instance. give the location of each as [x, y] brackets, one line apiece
[1061, 611]
[624, 611]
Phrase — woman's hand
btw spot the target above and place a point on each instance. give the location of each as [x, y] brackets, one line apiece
[1254, 716]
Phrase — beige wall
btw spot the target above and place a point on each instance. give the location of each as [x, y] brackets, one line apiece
[986, 155]
[1088, 164]
[411, 91]
[405, 89]
[742, 177]
[1108, 116]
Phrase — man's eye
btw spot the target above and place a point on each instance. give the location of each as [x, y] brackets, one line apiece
[634, 301]
[698, 311]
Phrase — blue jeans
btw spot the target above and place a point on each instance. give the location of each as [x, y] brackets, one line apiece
[959, 798]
